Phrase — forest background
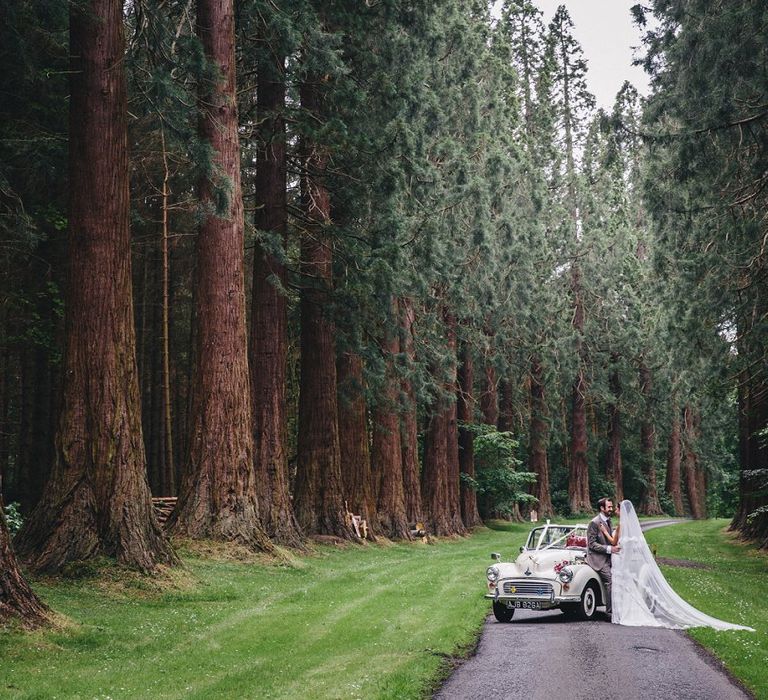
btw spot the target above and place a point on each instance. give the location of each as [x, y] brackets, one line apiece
[291, 261]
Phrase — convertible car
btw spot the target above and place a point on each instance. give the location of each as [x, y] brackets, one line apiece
[550, 572]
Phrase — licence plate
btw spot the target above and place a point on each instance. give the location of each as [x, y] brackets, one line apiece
[527, 604]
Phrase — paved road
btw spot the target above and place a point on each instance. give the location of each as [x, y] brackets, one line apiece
[543, 656]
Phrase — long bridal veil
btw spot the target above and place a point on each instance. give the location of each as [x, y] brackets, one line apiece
[641, 594]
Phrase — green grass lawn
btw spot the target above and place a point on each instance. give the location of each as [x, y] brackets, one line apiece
[732, 588]
[358, 622]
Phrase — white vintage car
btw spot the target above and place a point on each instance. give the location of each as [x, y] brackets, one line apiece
[551, 572]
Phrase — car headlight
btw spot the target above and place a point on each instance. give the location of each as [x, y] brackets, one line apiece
[492, 574]
[565, 575]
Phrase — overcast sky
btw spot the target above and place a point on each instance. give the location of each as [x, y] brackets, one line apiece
[606, 33]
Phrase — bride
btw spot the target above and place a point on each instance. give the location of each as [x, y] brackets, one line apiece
[641, 594]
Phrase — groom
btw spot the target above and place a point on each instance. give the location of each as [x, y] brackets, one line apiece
[599, 550]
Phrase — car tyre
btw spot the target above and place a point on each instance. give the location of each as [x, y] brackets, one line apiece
[502, 613]
[587, 606]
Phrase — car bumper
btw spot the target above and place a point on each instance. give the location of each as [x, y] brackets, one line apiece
[553, 599]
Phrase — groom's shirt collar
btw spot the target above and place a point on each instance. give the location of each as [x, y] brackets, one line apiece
[603, 517]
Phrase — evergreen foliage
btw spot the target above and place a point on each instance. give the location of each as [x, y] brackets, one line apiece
[603, 271]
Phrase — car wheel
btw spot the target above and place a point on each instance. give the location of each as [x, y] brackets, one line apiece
[502, 613]
[587, 606]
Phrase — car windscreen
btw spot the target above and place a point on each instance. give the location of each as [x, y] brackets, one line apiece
[552, 537]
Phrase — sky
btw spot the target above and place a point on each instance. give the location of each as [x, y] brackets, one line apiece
[606, 33]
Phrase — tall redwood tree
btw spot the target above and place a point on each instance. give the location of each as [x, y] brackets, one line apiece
[17, 600]
[694, 481]
[354, 445]
[318, 499]
[465, 412]
[674, 462]
[218, 494]
[614, 469]
[268, 339]
[649, 502]
[440, 476]
[409, 425]
[538, 461]
[387, 449]
[97, 500]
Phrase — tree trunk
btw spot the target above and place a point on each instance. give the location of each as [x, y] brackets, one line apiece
[97, 501]
[674, 461]
[168, 474]
[489, 397]
[440, 477]
[613, 467]
[454, 497]
[753, 457]
[539, 440]
[508, 415]
[318, 500]
[34, 456]
[387, 447]
[649, 502]
[218, 497]
[578, 476]
[466, 414]
[409, 427]
[691, 467]
[17, 600]
[269, 321]
[353, 439]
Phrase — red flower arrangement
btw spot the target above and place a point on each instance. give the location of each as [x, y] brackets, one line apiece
[560, 565]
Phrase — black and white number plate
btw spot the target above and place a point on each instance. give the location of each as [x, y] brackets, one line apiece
[527, 604]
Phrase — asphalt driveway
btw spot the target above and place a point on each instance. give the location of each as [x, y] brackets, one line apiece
[544, 656]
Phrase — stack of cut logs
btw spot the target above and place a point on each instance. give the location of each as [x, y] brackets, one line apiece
[163, 508]
[418, 530]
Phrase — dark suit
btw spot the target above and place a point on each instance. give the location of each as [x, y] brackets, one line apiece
[598, 557]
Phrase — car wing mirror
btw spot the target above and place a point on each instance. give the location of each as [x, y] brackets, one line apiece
[495, 556]
[522, 549]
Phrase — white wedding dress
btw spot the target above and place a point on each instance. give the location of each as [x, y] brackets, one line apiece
[641, 595]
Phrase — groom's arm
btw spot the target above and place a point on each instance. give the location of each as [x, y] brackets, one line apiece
[592, 543]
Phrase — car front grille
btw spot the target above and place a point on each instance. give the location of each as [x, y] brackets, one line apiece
[527, 589]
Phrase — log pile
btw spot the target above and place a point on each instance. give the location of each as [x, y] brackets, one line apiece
[164, 507]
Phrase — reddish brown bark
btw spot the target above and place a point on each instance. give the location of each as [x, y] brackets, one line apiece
[578, 475]
[454, 497]
[218, 498]
[613, 464]
[318, 501]
[691, 467]
[353, 439]
[97, 500]
[440, 476]
[268, 345]
[649, 501]
[539, 440]
[674, 462]
[753, 456]
[409, 428]
[17, 599]
[387, 448]
[509, 416]
[465, 412]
